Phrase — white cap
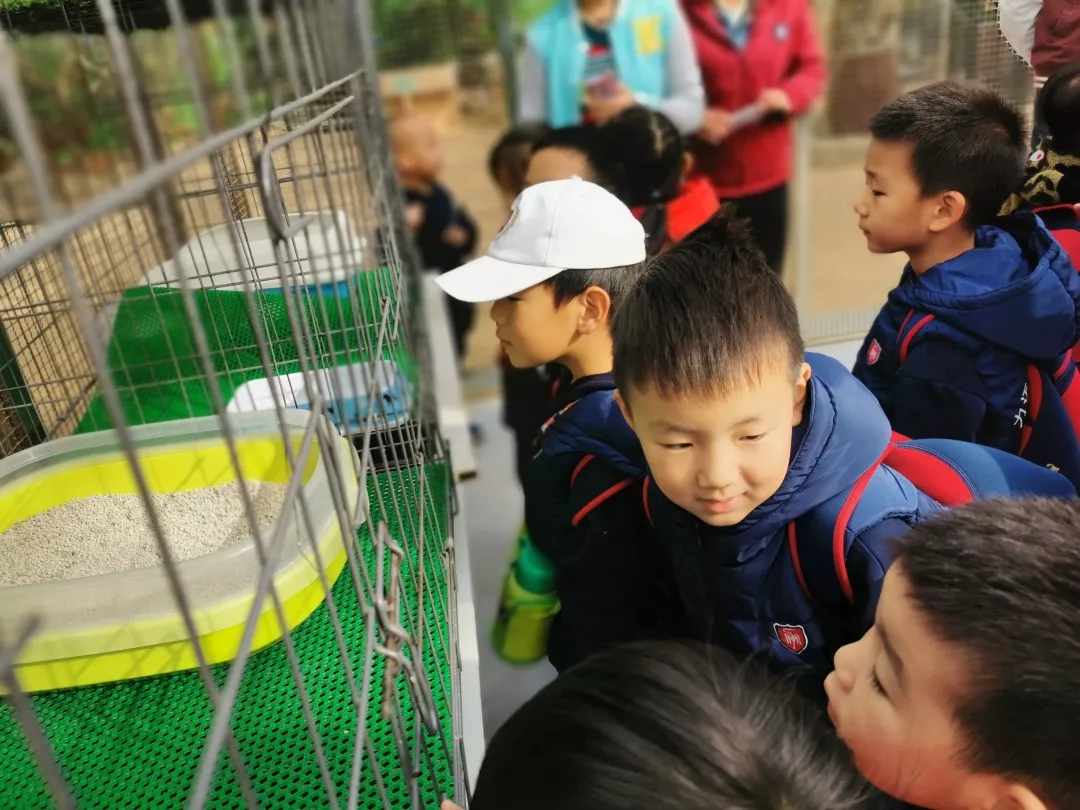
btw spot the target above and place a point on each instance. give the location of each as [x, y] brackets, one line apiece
[554, 226]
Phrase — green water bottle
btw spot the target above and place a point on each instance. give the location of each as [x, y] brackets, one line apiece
[529, 605]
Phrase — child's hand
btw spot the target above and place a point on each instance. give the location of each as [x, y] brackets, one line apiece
[716, 126]
[602, 108]
[774, 100]
[414, 216]
[455, 236]
[449, 805]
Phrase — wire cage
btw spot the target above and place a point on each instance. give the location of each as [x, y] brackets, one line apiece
[228, 579]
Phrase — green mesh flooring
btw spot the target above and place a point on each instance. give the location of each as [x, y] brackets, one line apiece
[154, 358]
[138, 744]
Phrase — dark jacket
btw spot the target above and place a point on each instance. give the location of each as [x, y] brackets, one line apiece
[739, 585]
[584, 510]
[441, 211]
[1010, 301]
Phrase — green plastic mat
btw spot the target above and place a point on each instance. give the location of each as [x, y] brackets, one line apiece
[138, 744]
[155, 363]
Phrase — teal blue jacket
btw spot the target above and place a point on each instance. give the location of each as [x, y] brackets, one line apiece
[654, 58]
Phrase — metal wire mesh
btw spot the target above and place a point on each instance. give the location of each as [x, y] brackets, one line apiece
[201, 255]
[876, 50]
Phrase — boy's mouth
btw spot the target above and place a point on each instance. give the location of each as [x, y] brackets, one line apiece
[716, 506]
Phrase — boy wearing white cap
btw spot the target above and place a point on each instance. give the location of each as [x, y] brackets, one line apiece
[555, 271]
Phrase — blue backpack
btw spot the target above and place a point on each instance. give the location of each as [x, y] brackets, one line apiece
[1050, 433]
[952, 473]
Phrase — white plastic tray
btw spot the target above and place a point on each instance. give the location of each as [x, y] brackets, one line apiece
[351, 386]
[324, 255]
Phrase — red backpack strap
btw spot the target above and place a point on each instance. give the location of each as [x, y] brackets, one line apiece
[908, 329]
[1067, 382]
[930, 473]
[839, 538]
[645, 500]
[601, 497]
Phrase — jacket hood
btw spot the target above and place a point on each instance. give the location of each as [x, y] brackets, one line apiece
[593, 423]
[1016, 289]
[843, 433]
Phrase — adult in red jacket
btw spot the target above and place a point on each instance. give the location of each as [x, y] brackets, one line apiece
[761, 54]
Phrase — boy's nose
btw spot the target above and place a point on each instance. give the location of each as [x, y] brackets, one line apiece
[717, 474]
[844, 672]
[498, 310]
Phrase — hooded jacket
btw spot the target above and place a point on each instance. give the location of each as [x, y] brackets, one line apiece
[739, 585]
[584, 510]
[1011, 301]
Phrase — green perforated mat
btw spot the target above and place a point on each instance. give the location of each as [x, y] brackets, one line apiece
[138, 744]
[154, 359]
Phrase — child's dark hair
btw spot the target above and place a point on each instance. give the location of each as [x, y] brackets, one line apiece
[962, 139]
[1001, 581]
[706, 316]
[508, 160]
[586, 141]
[649, 150]
[615, 281]
[1058, 107]
[666, 725]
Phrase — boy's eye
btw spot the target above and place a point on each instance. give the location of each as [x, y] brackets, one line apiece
[753, 438]
[679, 446]
[878, 193]
[512, 298]
[874, 682]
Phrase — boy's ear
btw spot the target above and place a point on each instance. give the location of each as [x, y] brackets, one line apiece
[951, 207]
[596, 307]
[625, 409]
[802, 382]
[1018, 797]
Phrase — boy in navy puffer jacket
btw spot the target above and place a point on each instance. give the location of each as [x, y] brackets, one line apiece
[556, 271]
[769, 484]
[981, 299]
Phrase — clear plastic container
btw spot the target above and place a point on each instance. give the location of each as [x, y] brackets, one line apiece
[126, 624]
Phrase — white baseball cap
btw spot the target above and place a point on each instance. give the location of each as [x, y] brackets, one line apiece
[552, 227]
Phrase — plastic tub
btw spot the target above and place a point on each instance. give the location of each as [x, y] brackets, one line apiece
[126, 625]
[320, 257]
[348, 412]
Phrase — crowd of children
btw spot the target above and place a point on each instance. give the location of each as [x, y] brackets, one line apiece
[898, 543]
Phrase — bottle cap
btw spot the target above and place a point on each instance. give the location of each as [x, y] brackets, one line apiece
[534, 571]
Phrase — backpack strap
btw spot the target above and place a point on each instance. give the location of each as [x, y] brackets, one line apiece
[645, 500]
[908, 329]
[838, 541]
[593, 494]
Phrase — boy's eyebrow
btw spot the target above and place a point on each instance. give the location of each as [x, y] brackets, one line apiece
[670, 427]
[890, 653]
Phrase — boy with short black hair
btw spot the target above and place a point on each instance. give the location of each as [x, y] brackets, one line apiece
[966, 692]
[556, 271]
[752, 448]
[981, 299]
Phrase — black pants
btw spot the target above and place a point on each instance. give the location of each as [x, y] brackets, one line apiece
[462, 315]
[768, 215]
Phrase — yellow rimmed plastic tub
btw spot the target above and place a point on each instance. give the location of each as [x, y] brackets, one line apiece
[125, 625]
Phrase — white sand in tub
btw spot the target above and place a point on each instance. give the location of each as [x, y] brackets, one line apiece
[107, 533]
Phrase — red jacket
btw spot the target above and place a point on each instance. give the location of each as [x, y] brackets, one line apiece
[783, 52]
[1057, 37]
